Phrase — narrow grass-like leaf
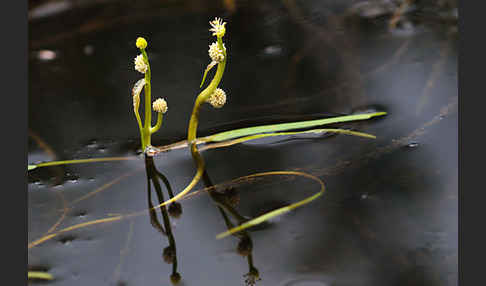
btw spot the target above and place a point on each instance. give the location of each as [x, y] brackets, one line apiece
[78, 161]
[249, 133]
[227, 135]
[39, 275]
[278, 211]
[258, 136]
[208, 68]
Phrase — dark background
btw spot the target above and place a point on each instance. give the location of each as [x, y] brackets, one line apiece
[389, 216]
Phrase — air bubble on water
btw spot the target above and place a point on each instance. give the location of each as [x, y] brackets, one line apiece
[272, 51]
[66, 240]
[368, 109]
[92, 144]
[413, 144]
[81, 214]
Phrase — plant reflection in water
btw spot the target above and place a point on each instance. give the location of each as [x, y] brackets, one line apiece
[225, 201]
[175, 210]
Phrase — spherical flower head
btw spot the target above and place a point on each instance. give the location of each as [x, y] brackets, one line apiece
[217, 27]
[218, 98]
[160, 105]
[140, 64]
[215, 53]
[141, 43]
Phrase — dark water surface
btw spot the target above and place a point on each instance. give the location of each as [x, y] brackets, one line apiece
[389, 214]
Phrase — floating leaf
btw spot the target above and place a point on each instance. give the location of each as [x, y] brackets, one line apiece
[258, 136]
[246, 134]
[39, 275]
[227, 135]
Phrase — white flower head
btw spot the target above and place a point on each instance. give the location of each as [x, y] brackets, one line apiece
[218, 98]
[215, 53]
[160, 105]
[218, 28]
[140, 64]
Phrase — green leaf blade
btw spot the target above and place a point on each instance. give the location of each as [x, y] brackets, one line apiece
[227, 135]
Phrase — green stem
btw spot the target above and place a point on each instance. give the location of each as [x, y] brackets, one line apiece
[193, 123]
[159, 123]
[148, 104]
[140, 127]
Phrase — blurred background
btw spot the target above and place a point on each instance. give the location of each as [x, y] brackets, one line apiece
[389, 214]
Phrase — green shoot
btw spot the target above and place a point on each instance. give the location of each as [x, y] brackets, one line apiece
[160, 105]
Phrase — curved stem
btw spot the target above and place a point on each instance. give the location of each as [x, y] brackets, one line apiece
[192, 129]
[139, 121]
[159, 123]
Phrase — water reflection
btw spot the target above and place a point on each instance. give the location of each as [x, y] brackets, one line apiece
[226, 202]
[169, 253]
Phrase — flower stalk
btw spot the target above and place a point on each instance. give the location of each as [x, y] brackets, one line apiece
[160, 105]
[207, 95]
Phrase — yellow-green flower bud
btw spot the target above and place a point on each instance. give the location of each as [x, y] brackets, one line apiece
[141, 43]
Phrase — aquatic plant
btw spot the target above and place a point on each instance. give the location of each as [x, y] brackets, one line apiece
[215, 96]
[211, 94]
[142, 65]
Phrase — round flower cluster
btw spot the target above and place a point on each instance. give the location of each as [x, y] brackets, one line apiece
[218, 98]
[160, 105]
[140, 64]
[215, 53]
